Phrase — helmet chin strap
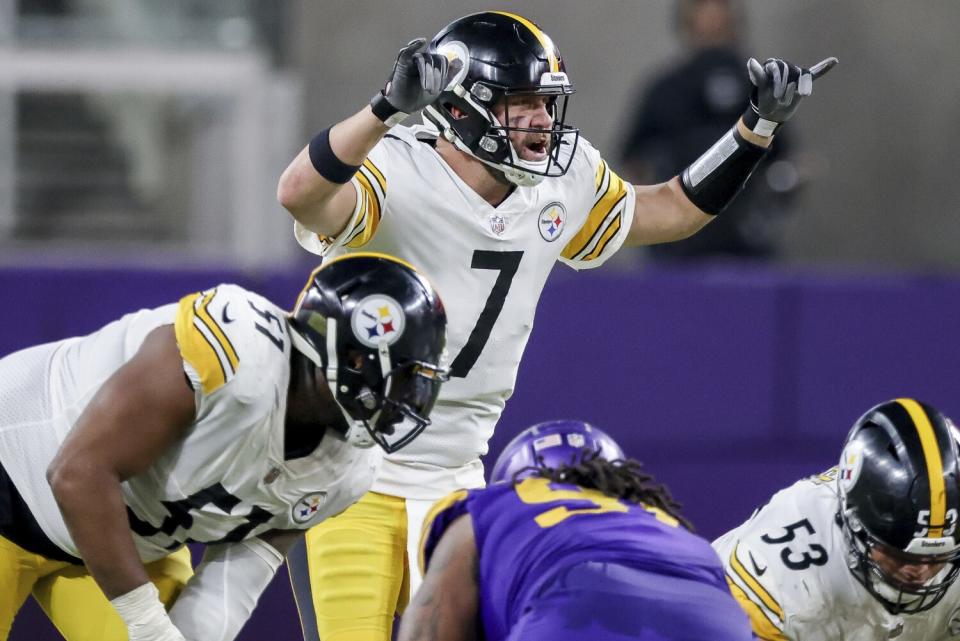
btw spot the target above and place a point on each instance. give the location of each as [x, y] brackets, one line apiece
[357, 434]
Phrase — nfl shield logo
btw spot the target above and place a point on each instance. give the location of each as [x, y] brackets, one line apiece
[497, 224]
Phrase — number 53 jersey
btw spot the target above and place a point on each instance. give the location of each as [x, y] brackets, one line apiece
[489, 265]
[227, 479]
[787, 567]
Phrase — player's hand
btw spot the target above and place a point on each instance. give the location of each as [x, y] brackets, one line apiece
[778, 86]
[418, 77]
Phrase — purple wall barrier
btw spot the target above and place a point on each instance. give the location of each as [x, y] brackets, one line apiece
[728, 383]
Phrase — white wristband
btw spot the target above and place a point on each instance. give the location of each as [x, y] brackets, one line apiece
[144, 615]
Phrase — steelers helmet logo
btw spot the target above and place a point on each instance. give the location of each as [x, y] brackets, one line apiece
[308, 506]
[378, 318]
[551, 221]
[851, 462]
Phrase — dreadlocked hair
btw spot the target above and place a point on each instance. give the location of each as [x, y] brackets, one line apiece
[622, 479]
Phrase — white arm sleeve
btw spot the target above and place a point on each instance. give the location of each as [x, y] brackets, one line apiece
[144, 615]
[221, 595]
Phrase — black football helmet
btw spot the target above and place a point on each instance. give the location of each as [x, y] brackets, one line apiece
[377, 330]
[899, 489]
[504, 56]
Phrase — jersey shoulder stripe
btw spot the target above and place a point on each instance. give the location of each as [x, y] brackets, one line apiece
[753, 591]
[372, 193]
[604, 220]
[203, 343]
[763, 627]
[438, 519]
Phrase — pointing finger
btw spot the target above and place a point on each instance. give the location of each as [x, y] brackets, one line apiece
[822, 67]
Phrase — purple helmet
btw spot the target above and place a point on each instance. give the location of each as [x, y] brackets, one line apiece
[552, 444]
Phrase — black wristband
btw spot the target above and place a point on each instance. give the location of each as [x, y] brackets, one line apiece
[326, 162]
[714, 179]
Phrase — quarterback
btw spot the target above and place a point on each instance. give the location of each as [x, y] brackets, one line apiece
[486, 196]
[868, 550]
[220, 419]
[570, 541]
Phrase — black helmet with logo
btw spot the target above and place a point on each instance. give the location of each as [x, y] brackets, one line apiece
[899, 486]
[504, 56]
[376, 328]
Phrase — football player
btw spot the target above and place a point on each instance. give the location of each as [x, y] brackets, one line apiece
[486, 196]
[868, 550]
[570, 541]
[220, 419]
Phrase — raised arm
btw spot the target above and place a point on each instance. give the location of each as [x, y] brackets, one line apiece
[446, 604]
[314, 187]
[681, 206]
[138, 413]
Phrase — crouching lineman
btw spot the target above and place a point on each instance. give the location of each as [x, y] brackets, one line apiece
[865, 551]
[220, 419]
[569, 542]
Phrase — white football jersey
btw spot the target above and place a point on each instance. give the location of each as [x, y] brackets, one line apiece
[787, 566]
[227, 480]
[489, 265]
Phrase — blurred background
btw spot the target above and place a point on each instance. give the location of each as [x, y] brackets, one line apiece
[141, 143]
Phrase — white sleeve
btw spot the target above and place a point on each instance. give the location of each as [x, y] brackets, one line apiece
[370, 184]
[222, 593]
[610, 201]
[321, 245]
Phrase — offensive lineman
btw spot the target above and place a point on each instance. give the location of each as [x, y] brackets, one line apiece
[487, 196]
[220, 419]
[868, 550]
[569, 542]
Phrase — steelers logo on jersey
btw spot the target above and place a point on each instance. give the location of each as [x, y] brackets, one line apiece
[378, 318]
[551, 220]
[308, 506]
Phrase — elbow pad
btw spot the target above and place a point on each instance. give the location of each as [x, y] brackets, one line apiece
[715, 178]
[224, 590]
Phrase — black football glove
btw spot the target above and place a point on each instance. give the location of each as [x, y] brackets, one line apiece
[417, 79]
[778, 87]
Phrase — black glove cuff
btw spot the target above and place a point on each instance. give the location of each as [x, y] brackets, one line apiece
[387, 113]
[326, 162]
[715, 179]
[758, 125]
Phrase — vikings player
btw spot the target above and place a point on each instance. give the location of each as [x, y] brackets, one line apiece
[571, 541]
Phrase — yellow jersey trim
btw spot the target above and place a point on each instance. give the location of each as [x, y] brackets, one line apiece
[199, 345]
[768, 601]
[931, 453]
[604, 220]
[762, 626]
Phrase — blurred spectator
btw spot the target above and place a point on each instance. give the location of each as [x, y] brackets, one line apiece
[684, 110]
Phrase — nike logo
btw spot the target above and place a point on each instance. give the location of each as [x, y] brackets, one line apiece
[223, 315]
[757, 570]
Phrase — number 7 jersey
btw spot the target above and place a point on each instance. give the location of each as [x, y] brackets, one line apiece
[489, 264]
[787, 566]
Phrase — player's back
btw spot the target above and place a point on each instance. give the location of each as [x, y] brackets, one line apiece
[528, 534]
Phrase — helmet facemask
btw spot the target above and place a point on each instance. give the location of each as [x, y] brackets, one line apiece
[504, 66]
[476, 130]
[896, 595]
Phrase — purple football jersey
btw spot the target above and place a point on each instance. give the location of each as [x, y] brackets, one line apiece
[528, 533]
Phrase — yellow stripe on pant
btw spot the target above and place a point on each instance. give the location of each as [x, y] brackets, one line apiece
[359, 574]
